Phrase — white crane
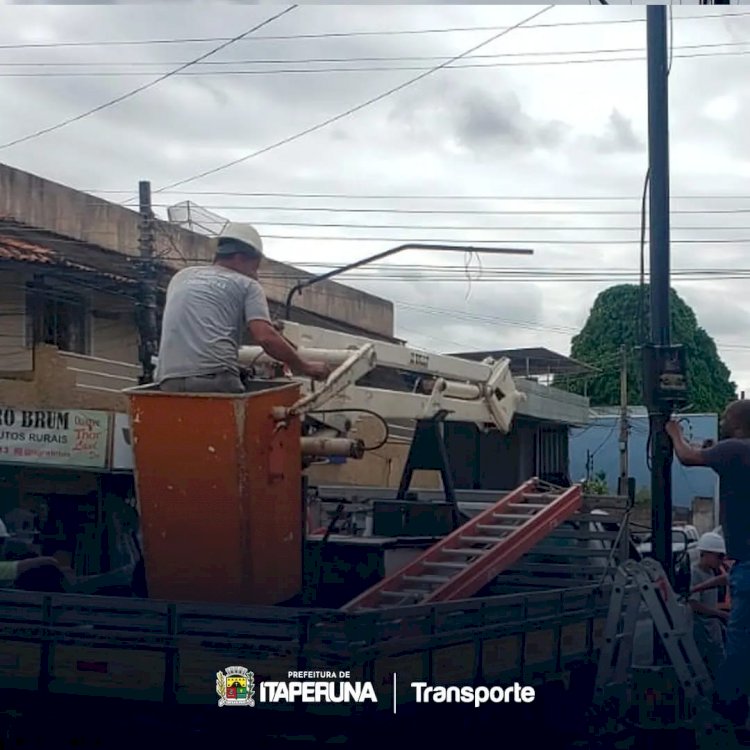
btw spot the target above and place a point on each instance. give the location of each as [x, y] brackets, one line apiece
[450, 387]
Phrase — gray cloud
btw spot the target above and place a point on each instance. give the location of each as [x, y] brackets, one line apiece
[484, 122]
[476, 119]
[619, 136]
[511, 129]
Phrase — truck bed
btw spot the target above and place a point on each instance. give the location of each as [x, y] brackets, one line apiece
[169, 653]
[535, 623]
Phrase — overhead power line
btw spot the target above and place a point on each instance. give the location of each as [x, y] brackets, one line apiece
[459, 211]
[478, 228]
[350, 59]
[357, 108]
[348, 34]
[529, 242]
[391, 196]
[138, 90]
[379, 69]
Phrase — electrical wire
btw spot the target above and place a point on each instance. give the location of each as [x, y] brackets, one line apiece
[480, 242]
[381, 69]
[352, 110]
[460, 211]
[671, 39]
[642, 291]
[352, 59]
[361, 411]
[572, 211]
[349, 34]
[318, 61]
[146, 86]
[396, 197]
[480, 228]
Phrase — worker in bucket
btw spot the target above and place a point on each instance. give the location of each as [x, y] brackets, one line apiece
[205, 315]
[730, 459]
[707, 617]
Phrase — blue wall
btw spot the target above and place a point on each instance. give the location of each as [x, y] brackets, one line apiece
[600, 438]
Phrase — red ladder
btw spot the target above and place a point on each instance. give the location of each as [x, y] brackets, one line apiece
[466, 560]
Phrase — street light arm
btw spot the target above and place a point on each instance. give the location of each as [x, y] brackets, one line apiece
[409, 246]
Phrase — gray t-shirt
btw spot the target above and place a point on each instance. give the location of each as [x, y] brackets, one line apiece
[730, 459]
[708, 628]
[207, 310]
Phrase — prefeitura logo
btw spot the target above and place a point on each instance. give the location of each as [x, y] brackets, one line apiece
[235, 686]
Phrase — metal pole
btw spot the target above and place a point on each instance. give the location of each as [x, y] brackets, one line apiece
[658, 146]
[147, 318]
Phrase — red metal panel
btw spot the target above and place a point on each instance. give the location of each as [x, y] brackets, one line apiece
[510, 549]
[370, 598]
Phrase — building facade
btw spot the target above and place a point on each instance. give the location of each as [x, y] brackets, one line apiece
[595, 449]
[70, 307]
[70, 344]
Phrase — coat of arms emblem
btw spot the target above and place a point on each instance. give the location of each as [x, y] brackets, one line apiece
[235, 686]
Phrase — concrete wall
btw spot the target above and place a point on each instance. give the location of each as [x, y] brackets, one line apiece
[47, 205]
[600, 441]
[703, 516]
[54, 384]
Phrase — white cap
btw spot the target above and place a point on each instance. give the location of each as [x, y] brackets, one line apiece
[3, 530]
[712, 542]
[244, 233]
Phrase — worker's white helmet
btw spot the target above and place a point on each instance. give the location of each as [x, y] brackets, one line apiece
[712, 542]
[245, 234]
[3, 530]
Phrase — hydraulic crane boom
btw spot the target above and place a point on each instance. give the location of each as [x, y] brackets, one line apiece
[456, 389]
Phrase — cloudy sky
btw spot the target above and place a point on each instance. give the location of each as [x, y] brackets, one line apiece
[536, 139]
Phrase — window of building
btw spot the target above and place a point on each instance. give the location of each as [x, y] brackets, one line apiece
[57, 317]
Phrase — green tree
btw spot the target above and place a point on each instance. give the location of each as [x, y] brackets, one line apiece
[614, 321]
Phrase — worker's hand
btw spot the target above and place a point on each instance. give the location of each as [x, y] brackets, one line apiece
[316, 370]
[673, 429]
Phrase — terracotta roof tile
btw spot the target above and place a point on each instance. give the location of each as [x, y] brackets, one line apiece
[21, 251]
[11, 248]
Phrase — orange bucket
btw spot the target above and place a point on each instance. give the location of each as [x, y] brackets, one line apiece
[219, 489]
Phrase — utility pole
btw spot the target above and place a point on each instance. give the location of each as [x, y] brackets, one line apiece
[147, 290]
[622, 485]
[658, 148]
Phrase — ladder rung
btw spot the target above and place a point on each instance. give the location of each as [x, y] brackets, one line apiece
[527, 505]
[481, 539]
[404, 594]
[453, 565]
[537, 496]
[513, 516]
[464, 551]
[426, 579]
[497, 527]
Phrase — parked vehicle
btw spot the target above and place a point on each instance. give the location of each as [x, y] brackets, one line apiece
[685, 553]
